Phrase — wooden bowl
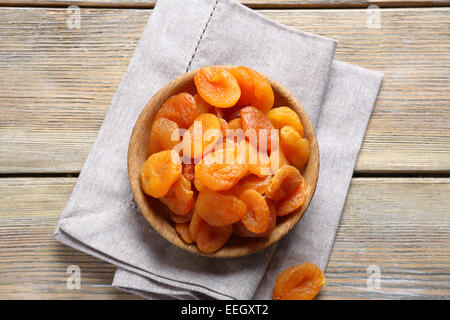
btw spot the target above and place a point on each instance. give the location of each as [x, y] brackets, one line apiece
[157, 214]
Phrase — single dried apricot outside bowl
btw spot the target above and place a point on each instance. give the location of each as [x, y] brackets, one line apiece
[158, 214]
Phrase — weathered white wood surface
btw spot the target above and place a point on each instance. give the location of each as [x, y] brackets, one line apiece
[56, 83]
[401, 225]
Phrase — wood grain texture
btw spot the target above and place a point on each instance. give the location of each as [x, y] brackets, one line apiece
[251, 3]
[32, 264]
[401, 225]
[56, 83]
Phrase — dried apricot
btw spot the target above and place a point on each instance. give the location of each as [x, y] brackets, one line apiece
[263, 96]
[219, 209]
[251, 181]
[194, 225]
[235, 124]
[183, 231]
[255, 89]
[159, 172]
[293, 201]
[198, 185]
[188, 171]
[165, 135]
[225, 144]
[223, 127]
[258, 162]
[210, 239]
[237, 136]
[180, 197]
[202, 135]
[217, 86]
[245, 82]
[283, 183]
[240, 230]
[257, 216]
[277, 159]
[180, 219]
[180, 108]
[258, 129]
[203, 106]
[285, 116]
[301, 282]
[294, 146]
[221, 169]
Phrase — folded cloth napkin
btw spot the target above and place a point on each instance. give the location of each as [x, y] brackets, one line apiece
[102, 219]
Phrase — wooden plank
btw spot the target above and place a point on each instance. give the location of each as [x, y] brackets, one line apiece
[251, 3]
[32, 264]
[401, 225]
[56, 83]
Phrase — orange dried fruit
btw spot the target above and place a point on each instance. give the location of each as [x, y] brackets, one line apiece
[180, 108]
[301, 282]
[202, 135]
[294, 146]
[277, 159]
[257, 215]
[180, 197]
[226, 144]
[235, 124]
[198, 185]
[251, 181]
[263, 96]
[255, 89]
[237, 136]
[293, 201]
[283, 183]
[203, 106]
[159, 172]
[180, 219]
[219, 209]
[217, 86]
[223, 127]
[285, 116]
[183, 231]
[245, 82]
[258, 161]
[258, 129]
[210, 239]
[165, 135]
[240, 230]
[194, 225]
[221, 169]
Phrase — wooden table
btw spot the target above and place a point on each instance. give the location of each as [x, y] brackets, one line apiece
[56, 84]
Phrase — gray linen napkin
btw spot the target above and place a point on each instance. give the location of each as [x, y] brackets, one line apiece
[101, 218]
[343, 120]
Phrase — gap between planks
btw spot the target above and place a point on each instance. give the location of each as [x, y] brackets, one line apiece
[356, 175]
[254, 4]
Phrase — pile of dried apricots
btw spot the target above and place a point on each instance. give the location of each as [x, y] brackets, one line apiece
[224, 160]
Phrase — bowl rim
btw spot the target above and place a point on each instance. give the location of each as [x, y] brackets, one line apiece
[258, 243]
